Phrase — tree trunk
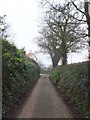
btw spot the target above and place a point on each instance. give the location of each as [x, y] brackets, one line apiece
[64, 59]
[86, 6]
[55, 61]
[64, 53]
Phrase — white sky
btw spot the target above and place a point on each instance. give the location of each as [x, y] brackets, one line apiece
[23, 16]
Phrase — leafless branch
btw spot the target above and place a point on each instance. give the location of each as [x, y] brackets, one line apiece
[78, 8]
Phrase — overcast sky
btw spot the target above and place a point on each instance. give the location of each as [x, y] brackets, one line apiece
[23, 16]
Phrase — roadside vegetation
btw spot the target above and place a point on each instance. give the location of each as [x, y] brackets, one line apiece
[19, 74]
[71, 80]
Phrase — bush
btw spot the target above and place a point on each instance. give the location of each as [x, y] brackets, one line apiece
[55, 76]
[19, 73]
[73, 83]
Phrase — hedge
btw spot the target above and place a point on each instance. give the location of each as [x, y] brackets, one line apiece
[18, 74]
[72, 82]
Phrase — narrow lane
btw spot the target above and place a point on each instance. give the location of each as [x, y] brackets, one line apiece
[44, 102]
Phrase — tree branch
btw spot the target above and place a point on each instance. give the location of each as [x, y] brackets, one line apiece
[77, 8]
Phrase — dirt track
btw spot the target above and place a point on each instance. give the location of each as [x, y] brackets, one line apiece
[44, 102]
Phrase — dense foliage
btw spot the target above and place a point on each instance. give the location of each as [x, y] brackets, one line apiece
[55, 76]
[19, 73]
[71, 80]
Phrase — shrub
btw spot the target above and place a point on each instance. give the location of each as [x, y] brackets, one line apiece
[55, 76]
[74, 84]
[19, 73]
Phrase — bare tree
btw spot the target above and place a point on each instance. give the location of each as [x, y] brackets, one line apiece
[48, 43]
[61, 34]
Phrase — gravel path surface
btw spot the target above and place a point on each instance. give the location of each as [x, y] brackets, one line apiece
[44, 102]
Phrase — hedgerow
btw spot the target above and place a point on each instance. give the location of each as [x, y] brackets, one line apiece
[18, 74]
[55, 76]
[72, 82]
